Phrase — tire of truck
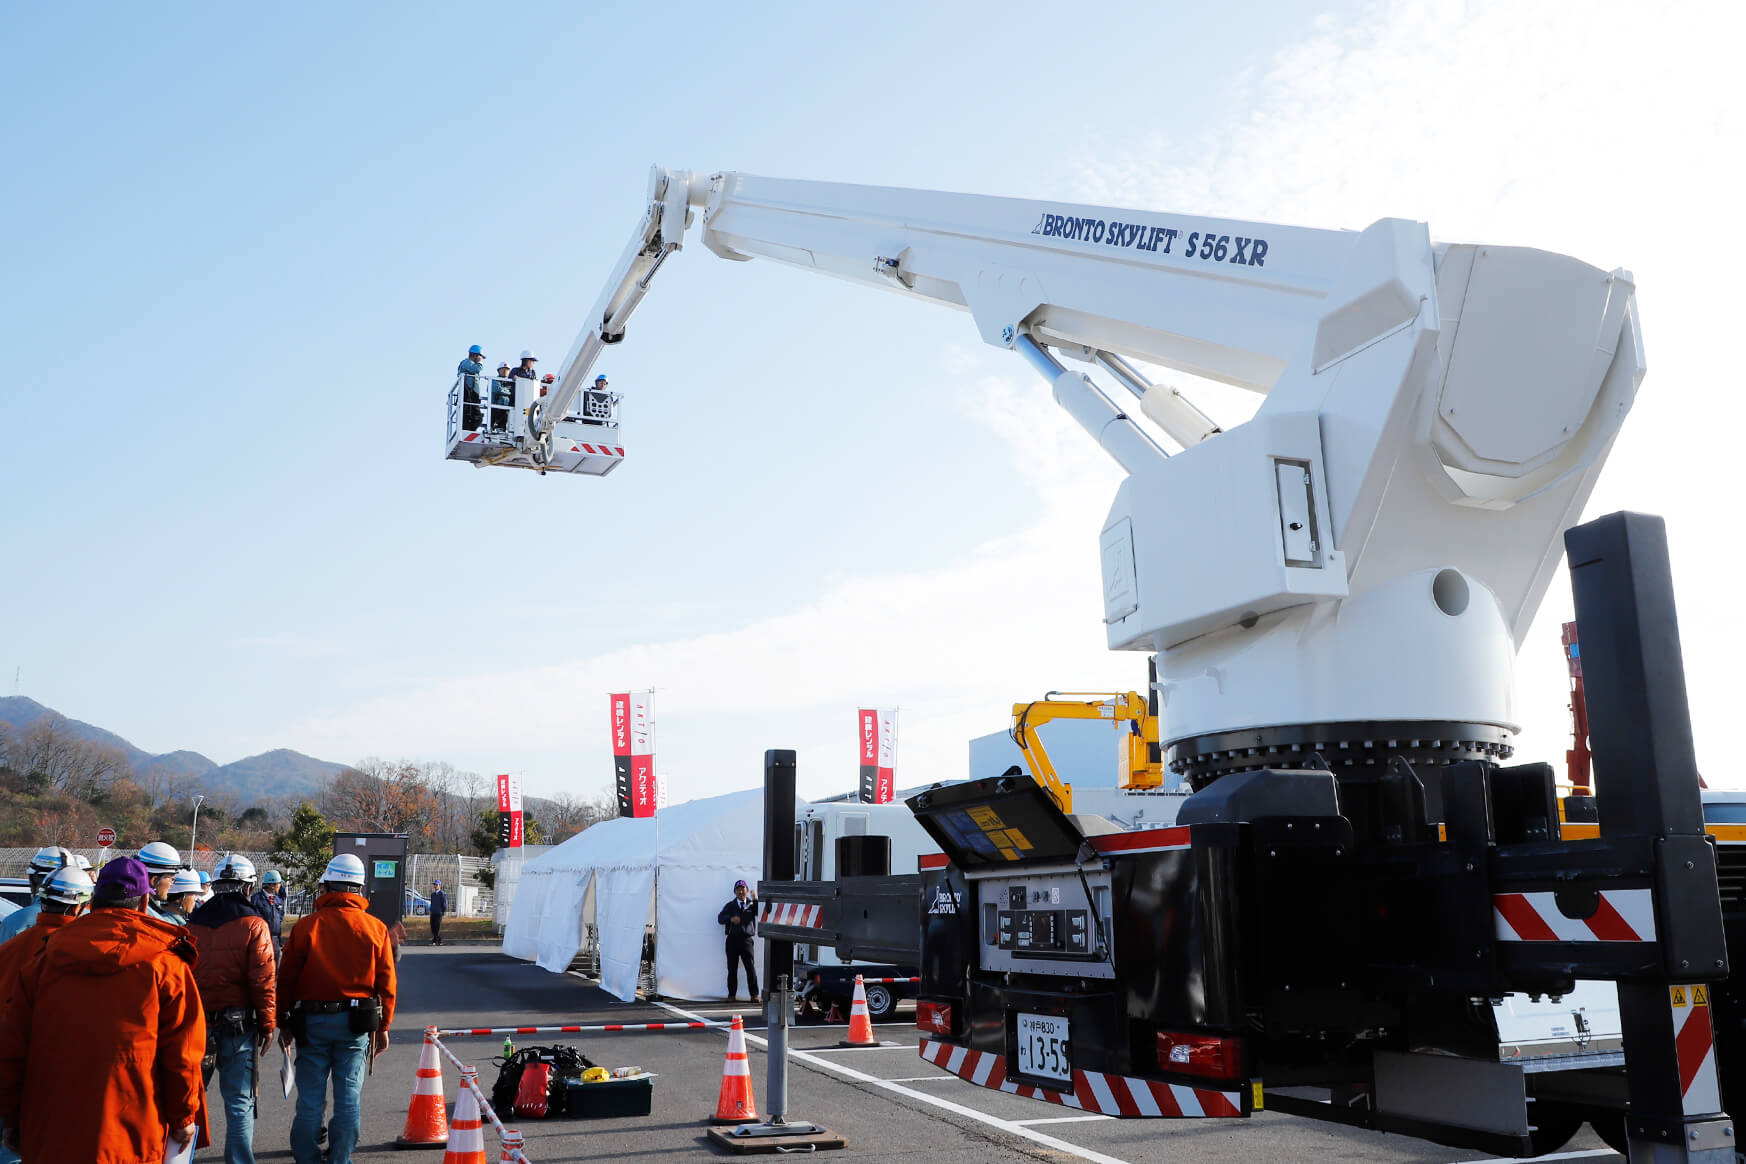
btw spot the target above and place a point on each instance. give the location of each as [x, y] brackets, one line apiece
[1553, 1126]
[880, 1001]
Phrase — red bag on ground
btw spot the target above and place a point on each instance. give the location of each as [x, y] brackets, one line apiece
[530, 1096]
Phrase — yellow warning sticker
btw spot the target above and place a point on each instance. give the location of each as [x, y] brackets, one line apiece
[986, 818]
[1017, 839]
[1010, 854]
[1256, 1086]
[1678, 993]
[1700, 996]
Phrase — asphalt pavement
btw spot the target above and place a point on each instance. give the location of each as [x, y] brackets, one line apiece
[887, 1102]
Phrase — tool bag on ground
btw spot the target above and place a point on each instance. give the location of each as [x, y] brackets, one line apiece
[558, 1081]
[532, 1081]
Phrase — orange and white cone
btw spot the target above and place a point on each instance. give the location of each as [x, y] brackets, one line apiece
[736, 1105]
[427, 1121]
[512, 1145]
[466, 1130]
[860, 1022]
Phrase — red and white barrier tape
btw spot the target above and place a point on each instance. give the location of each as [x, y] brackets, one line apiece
[893, 980]
[479, 1094]
[579, 1030]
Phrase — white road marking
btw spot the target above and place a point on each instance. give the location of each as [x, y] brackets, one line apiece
[1582, 1155]
[1061, 1120]
[922, 1079]
[875, 1047]
[1007, 1126]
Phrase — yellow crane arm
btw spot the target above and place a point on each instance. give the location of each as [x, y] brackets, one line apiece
[1139, 765]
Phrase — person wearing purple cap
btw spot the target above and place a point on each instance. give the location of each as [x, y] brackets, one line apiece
[739, 917]
[116, 988]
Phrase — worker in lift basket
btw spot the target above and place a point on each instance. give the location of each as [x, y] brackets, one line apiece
[739, 918]
[469, 370]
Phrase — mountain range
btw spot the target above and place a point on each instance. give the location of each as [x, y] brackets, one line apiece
[280, 772]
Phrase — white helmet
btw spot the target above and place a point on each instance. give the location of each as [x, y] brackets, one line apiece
[527, 355]
[51, 857]
[82, 861]
[233, 867]
[158, 858]
[187, 881]
[344, 869]
[68, 887]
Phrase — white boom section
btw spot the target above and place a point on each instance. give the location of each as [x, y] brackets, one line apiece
[1373, 544]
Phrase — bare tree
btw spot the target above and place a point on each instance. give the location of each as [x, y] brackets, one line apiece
[51, 757]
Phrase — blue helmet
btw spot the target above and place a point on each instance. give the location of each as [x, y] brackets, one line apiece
[475, 350]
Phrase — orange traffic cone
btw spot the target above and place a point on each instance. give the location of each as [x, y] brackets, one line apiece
[512, 1145]
[860, 1022]
[466, 1130]
[736, 1105]
[427, 1123]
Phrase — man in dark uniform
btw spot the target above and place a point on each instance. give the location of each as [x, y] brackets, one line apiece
[739, 918]
[439, 906]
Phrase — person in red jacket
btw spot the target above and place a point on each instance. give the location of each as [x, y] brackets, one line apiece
[62, 897]
[110, 1002]
[235, 974]
[336, 1002]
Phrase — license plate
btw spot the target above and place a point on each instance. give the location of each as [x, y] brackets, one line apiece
[1042, 1047]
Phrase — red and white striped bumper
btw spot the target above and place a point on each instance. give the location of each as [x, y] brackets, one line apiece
[789, 914]
[1621, 915]
[1123, 1096]
[1694, 1043]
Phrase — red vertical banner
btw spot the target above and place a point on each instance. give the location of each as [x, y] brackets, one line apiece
[621, 753]
[644, 795]
[509, 823]
[876, 729]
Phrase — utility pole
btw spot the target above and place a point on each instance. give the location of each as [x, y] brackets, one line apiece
[198, 800]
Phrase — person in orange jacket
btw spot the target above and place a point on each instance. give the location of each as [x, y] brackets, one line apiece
[336, 1002]
[115, 990]
[62, 897]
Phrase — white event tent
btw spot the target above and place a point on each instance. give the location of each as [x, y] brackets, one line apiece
[673, 870]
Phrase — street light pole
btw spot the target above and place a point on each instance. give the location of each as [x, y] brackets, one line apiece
[198, 800]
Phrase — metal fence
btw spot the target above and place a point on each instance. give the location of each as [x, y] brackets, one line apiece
[16, 862]
[468, 895]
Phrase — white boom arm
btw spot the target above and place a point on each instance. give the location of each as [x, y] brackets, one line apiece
[1361, 558]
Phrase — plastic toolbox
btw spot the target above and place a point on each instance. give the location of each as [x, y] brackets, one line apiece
[609, 1098]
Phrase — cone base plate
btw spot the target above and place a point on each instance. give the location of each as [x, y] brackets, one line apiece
[729, 1121]
[403, 1142]
[874, 1043]
[815, 1139]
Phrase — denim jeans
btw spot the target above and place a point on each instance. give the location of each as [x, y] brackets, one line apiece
[237, 1068]
[328, 1047]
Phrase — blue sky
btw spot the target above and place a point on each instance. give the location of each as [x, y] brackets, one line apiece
[247, 247]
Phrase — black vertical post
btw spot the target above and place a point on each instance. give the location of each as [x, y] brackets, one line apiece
[778, 849]
[1646, 785]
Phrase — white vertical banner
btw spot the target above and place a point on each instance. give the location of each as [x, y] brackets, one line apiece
[644, 782]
